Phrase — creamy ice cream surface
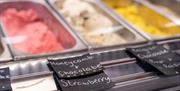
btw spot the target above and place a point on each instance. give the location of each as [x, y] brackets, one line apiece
[86, 18]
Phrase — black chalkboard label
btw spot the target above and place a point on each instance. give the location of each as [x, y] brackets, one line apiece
[155, 57]
[91, 83]
[111, 55]
[76, 66]
[173, 45]
[5, 83]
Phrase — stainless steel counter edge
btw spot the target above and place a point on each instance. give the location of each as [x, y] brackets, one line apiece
[6, 54]
[33, 75]
[150, 84]
[169, 41]
[30, 77]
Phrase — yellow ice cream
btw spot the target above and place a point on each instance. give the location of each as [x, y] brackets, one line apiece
[144, 18]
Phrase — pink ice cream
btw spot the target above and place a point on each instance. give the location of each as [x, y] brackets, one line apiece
[29, 33]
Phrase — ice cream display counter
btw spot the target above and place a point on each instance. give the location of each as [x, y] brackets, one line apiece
[89, 45]
[124, 72]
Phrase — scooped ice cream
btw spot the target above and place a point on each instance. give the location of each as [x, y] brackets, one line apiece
[97, 21]
[28, 32]
[76, 11]
[85, 18]
[144, 18]
[105, 39]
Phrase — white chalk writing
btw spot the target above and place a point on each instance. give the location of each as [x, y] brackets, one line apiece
[72, 63]
[144, 49]
[157, 53]
[87, 69]
[68, 83]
